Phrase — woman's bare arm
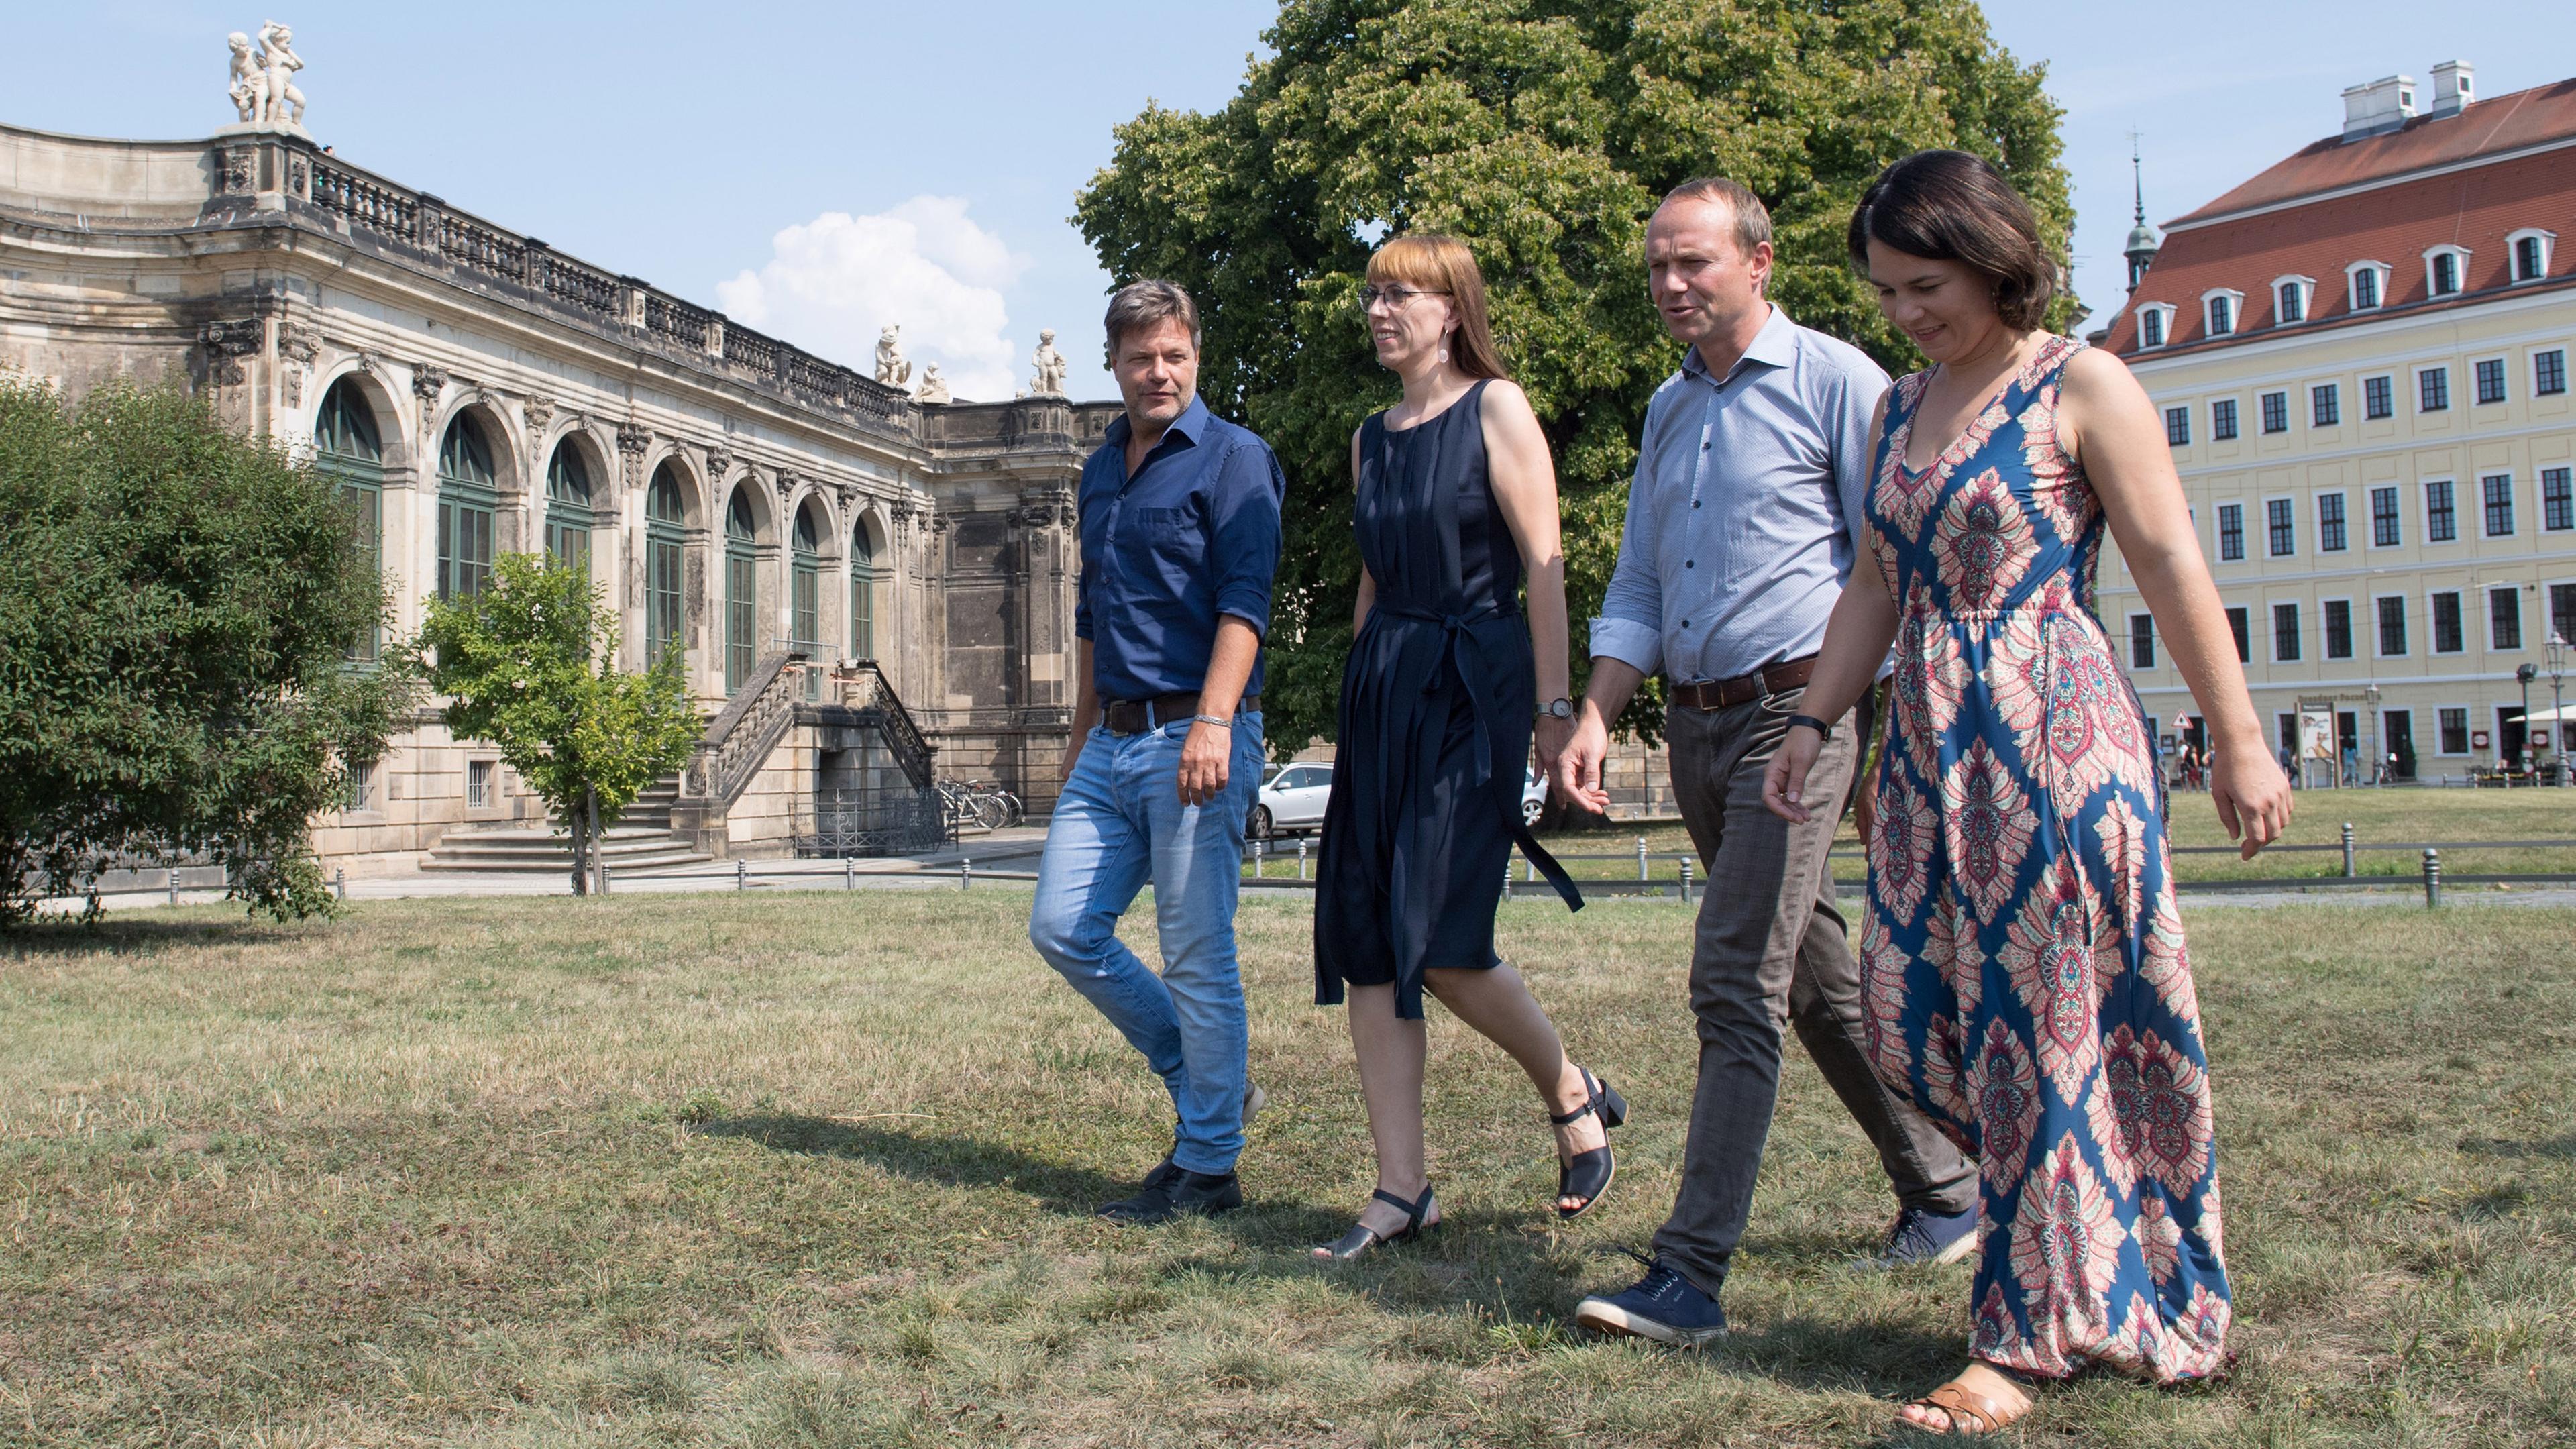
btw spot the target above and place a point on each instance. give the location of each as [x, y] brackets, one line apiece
[2109, 426]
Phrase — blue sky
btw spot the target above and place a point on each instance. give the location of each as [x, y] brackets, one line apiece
[816, 169]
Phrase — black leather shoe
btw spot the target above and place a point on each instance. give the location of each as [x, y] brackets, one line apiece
[1172, 1191]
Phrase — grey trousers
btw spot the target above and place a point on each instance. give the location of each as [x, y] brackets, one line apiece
[1770, 946]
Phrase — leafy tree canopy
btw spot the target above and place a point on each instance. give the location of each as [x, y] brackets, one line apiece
[528, 663]
[1543, 134]
[176, 604]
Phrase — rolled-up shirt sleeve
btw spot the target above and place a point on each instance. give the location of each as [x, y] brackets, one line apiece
[1243, 532]
[1630, 627]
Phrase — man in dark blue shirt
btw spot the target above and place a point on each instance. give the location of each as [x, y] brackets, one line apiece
[1180, 537]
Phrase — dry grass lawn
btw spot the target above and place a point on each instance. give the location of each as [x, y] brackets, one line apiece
[818, 1170]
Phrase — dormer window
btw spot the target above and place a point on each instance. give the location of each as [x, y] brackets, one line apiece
[2446, 270]
[2369, 283]
[2531, 248]
[2220, 309]
[2155, 324]
[2290, 297]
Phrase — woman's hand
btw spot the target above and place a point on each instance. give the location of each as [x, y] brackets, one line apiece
[2253, 797]
[1783, 782]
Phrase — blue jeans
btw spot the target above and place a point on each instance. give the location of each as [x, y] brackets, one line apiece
[1119, 823]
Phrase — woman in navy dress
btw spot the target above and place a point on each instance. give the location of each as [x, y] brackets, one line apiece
[1455, 491]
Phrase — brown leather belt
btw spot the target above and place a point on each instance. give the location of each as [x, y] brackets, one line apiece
[1135, 716]
[1772, 679]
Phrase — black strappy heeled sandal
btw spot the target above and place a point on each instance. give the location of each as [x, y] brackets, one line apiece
[1589, 1173]
[1362, 1238]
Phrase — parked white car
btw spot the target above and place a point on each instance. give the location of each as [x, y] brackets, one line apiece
[1293, 795]
[1292, 799]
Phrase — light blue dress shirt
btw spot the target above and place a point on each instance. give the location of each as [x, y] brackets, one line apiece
[1745, 510]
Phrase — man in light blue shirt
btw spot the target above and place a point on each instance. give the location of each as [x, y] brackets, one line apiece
[1744, 521]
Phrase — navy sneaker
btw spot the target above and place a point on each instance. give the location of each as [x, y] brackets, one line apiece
[1924, 1236]
[1171, 1191]
[1663, 1306]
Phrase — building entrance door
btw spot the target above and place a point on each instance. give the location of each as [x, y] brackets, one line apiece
[2398, 727]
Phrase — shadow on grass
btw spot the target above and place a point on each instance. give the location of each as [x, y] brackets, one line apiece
[114, 936]
[1482, 1239]
[2559, 1147]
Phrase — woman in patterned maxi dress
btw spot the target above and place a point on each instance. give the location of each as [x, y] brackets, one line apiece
[2023, 965]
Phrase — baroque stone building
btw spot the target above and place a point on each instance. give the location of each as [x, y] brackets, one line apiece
[839, 566]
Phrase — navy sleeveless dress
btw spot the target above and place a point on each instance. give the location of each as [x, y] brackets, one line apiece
[1437, 704]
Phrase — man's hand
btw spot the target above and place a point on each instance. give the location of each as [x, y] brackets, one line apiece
[1578, 765]
[1204, 756]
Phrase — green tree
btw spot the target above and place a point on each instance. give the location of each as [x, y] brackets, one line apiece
[176, 604]
[1542, 134]
[528, 665]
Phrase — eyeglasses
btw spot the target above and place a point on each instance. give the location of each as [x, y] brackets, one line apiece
[1392, 296]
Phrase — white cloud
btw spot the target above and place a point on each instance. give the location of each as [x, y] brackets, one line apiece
[833, 282]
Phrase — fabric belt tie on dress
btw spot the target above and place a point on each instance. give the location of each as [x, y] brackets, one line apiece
[1461, 636]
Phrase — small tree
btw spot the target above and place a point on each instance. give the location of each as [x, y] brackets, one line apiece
[176, 606]
[528, 665]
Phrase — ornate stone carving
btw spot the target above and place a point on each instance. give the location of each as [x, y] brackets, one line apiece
[934, 388]
[541, 411]
[428, 380]
[632, 441]
[786, 487]
[237, 162]
[371, 365]
[718, 460]
[1051, 367]
[297, 346]
[892, 370]
[227, 343]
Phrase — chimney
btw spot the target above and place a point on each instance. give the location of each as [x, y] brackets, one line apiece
[2383, 105]
[2454, 86]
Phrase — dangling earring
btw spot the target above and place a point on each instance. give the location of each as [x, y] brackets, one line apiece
[1444, 354]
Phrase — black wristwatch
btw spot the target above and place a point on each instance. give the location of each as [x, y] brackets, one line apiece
[1558, 708]
[1823, 730]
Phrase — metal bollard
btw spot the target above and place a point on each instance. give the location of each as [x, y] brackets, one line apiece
[1509, 889]
[1301, 857]
[1685, 880]
[965, 874]
[174, 885]
[1641, 857]
[849, 874]
[340, 882]
[1260, 857]
[2347, 850]
[605, 877]
[2432, 878]
[742, 875]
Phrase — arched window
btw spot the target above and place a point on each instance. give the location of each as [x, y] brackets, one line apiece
[805, 595]
[665, 516]
[347, 452]
[863, 593]
[742, 609]
[468, 492]
[568, 519]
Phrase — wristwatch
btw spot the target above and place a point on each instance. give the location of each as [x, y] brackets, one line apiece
[1558, 708]
[1823, 730]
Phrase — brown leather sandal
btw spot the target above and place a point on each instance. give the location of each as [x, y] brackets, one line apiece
[1970, 1412]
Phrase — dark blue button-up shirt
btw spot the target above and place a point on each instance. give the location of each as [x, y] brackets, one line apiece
[1193, 535]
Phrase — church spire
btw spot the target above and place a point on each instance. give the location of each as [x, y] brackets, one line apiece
[2143, 241]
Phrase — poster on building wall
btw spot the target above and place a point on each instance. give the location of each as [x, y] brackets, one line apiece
[2316, 732]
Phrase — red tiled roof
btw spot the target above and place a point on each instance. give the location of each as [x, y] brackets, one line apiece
[2506, 123]
[2476, 207]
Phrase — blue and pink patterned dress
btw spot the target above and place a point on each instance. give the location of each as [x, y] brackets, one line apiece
[2023, 964]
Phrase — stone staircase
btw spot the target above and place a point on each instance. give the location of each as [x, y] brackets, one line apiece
[640, 840]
